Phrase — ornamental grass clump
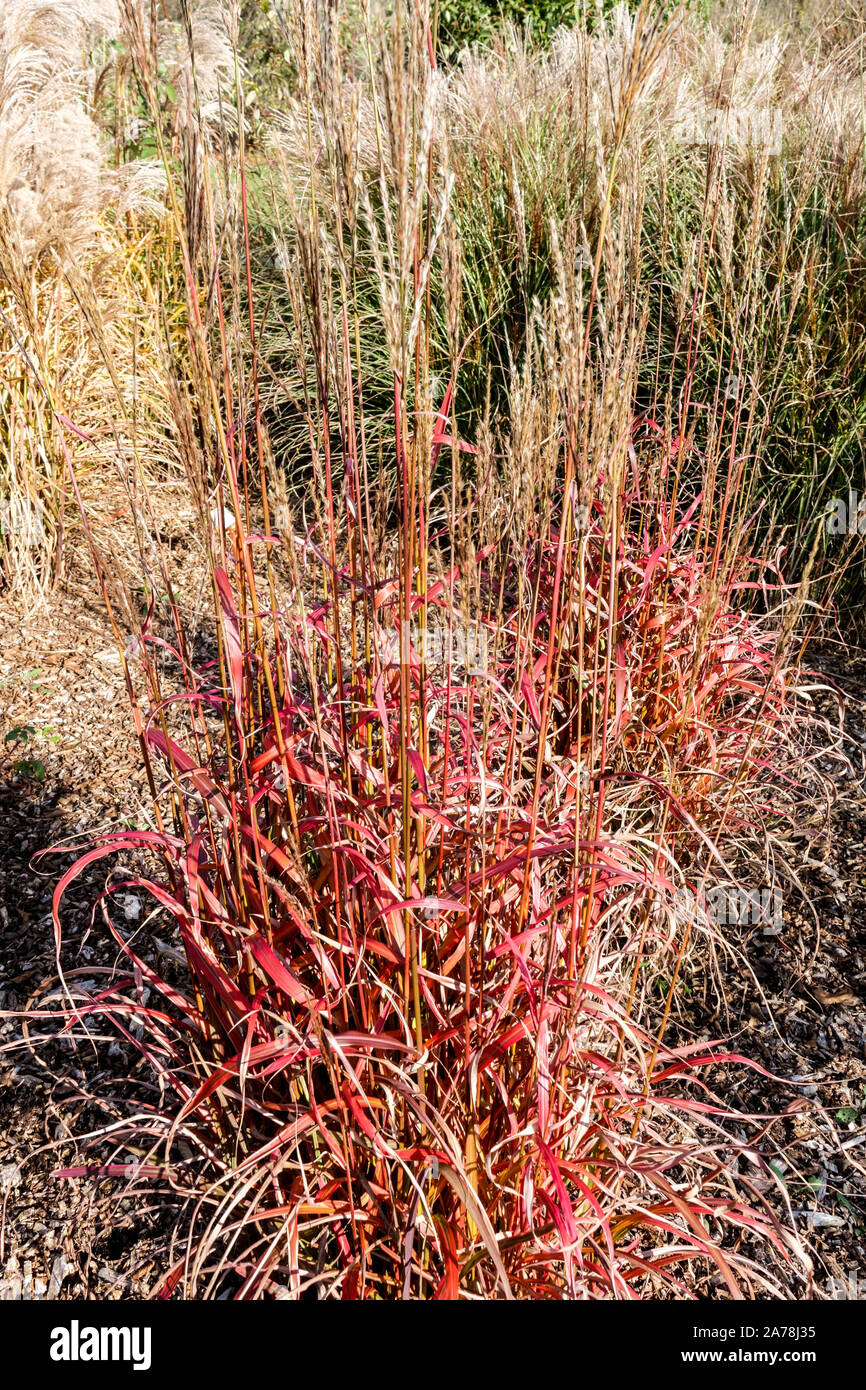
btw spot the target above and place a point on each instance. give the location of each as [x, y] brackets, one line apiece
[417, 885]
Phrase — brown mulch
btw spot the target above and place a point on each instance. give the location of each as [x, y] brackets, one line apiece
[806, 1020]
[59, 673]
